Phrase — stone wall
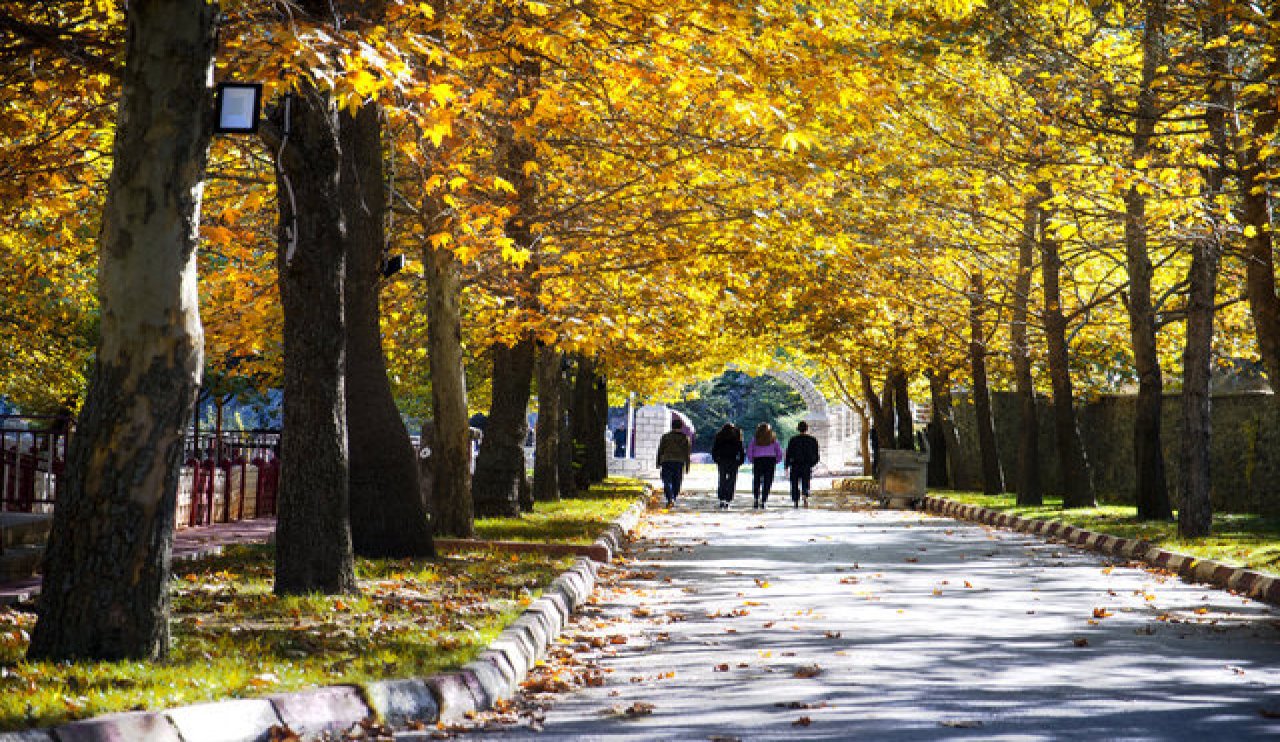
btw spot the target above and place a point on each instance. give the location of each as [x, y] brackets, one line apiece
[1245, 456]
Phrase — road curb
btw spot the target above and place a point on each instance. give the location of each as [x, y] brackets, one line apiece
[333, 710]
[1259, 586]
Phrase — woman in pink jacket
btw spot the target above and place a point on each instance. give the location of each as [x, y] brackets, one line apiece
[764, 454]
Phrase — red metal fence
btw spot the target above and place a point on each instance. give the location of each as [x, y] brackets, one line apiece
[227, 476]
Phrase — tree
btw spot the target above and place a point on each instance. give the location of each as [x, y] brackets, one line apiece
[106, 570]
[387, 513]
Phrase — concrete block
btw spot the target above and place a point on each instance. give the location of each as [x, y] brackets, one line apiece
[237, 720]
[398, 702]
[515, 650]
[453, 695]
[332, 709]
[493, 681]
[28, 735]
[129, 727]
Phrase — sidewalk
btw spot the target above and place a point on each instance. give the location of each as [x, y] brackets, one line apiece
[188, 543]
[887, 625]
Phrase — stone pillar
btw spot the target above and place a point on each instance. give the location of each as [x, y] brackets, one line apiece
[652, 421]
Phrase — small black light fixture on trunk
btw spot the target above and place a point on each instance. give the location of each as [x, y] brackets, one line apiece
[238, 105]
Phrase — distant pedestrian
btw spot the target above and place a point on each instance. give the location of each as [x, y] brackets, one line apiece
[673, 460]
[764, 454]
[802, 456]
[728, 453]
[620, 443]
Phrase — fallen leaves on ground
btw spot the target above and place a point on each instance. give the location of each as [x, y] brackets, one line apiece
[808, 671]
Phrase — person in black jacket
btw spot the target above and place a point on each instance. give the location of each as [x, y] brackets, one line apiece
[802, 456]
[728, 453]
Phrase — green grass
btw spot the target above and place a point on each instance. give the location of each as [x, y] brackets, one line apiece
[575, 521]
[233, 638]
[1244, 540]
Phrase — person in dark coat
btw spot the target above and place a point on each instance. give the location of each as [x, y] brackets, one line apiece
[802, 456]
[673, 459]
[728, 453]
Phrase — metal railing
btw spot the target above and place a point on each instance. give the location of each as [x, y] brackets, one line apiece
[33, 455]
[226, 476]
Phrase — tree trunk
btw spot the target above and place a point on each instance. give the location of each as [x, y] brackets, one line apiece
[500, 467]
[388, 515]
[546, 463]
[1255, 198]
[1073, 463]
[1151, 487]
[1028, 486]
[902, 410]
[881, 412]
[989, 452]
[582, 416]
[597, 440]
[564, 456]
[955, 470]
[1195, 512]
[450, 497]
[313, 536]
[106, 572]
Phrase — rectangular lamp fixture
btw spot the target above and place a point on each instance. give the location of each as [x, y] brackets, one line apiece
[238, 105]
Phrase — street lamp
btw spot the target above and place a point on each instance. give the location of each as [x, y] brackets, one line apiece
[238, 105]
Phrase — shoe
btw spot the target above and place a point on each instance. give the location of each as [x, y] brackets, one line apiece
[671, 502]
[756, 505]
[806, 501]
[795, 503]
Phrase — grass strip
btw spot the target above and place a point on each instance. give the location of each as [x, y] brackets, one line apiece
[577, 520]
[233, 638]
[1238, 539]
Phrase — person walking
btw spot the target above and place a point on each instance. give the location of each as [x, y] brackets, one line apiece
[673, 460]
[764, 453]
[728, 453]
[802, 456]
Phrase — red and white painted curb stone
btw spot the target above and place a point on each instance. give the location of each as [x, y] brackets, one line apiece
[332, 710]
[1256, 585]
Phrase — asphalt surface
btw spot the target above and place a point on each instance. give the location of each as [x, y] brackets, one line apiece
[843, 623]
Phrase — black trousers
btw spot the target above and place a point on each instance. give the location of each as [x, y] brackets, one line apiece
[762, 477]
[727, 482]
[800, 478]
[672, 478]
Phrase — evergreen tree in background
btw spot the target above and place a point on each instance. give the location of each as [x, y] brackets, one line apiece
[743, 400]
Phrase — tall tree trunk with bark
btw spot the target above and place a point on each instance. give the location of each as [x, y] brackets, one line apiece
[1077, 476]
[449, 498]
[902, 410]
[449, 501]
[106, 572]
[313, 535]
[1195, 512]
[881, 406]
[598, 445]
[500, 466]
[565, 457]
[988, 450]
[1151, 486]
[546, 455]
[1028, 482]
[1255, 198]
[955, 469]
[388, 515]
[583, 419]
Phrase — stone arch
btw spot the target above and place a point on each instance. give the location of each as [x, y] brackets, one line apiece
[814, 400]
[834, 425]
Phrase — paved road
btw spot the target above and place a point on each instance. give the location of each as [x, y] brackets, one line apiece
[880, 625]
